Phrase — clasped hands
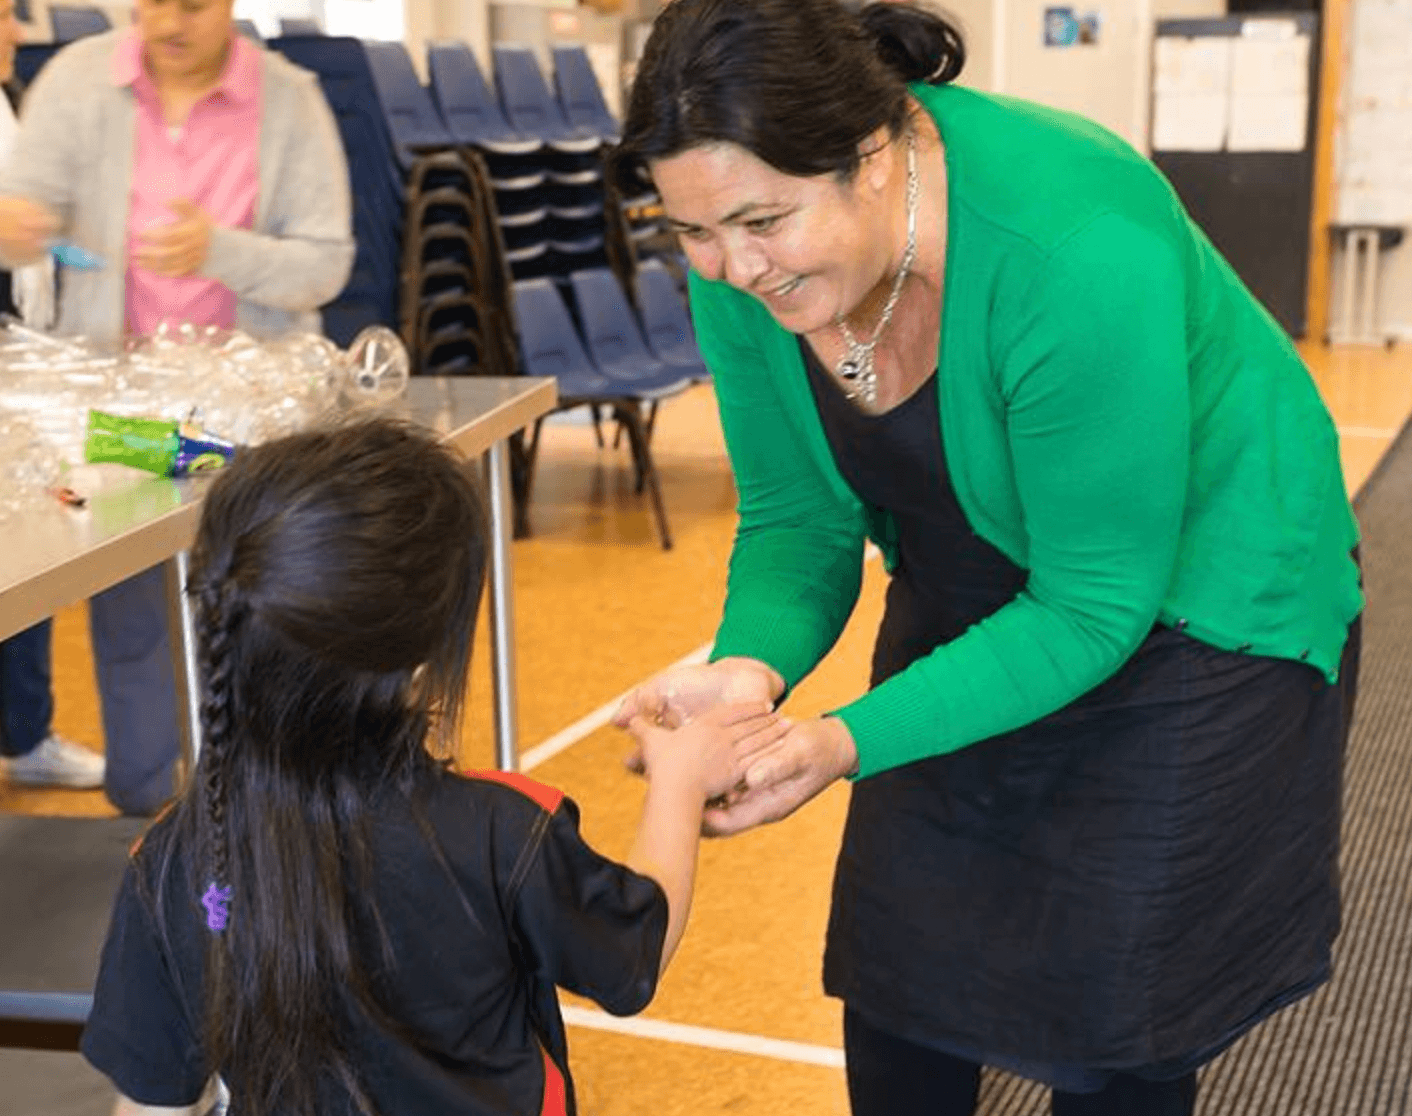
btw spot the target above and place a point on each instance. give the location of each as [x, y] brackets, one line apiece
[769, 774]
[177, 248]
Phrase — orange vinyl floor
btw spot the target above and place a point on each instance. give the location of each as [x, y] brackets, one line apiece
[740, 1025]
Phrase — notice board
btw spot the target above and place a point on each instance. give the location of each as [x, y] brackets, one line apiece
[1233, 111]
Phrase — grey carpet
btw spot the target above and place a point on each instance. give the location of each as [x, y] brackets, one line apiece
[57, 881]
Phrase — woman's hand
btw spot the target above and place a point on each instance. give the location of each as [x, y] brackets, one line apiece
[179, 248]
[708, 757]
[677, 696]
[26, 228]
[782, 778]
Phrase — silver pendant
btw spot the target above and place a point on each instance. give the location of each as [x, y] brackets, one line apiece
[849, 370]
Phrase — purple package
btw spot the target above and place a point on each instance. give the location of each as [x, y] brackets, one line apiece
[199, 453]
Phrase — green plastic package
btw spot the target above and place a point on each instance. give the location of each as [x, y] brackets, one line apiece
[154, 445]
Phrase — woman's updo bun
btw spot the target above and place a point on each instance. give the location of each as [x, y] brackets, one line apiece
[915, 44]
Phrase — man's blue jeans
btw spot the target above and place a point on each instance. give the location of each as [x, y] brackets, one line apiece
[26, 697]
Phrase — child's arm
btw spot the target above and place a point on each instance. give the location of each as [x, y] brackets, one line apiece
[685, 767]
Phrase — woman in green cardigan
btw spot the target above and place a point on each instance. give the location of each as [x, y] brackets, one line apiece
[1093, 830]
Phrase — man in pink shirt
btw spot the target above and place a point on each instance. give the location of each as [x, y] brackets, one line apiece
[209, 176]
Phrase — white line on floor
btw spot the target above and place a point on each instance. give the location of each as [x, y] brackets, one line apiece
[638, 1027]
[1366, 432]
[585, 726]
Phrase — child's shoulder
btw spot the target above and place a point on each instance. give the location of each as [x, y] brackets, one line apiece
[498, 783]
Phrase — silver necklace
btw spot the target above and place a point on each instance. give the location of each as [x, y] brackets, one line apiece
[857, 368]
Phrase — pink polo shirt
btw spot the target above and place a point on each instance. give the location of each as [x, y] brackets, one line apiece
[213, 160]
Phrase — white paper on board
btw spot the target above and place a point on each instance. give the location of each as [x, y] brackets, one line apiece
[1191, 93]
[1269, 123]
[1190, 67]
[1189, 123]
[1269, 92]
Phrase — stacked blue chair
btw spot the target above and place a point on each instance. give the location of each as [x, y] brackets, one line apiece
[576, 233]
[551, 346]
[532, 109]
[451, 224]
[341, 66]
[299, 28]
[516, 163]
[469, 108]
[417, 127]
[580, 95]
[70, 23]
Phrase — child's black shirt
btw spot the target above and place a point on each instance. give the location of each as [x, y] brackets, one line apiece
[474, 986]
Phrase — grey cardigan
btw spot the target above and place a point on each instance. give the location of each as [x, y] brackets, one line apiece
[74, 154]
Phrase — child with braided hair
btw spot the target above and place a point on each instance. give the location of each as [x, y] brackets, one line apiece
[329, 919]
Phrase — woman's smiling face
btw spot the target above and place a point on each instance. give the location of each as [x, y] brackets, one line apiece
[808, 248]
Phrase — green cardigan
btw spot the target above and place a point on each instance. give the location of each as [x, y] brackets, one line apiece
[1121, 418]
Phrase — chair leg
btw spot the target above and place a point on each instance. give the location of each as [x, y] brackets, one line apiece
[652, 418]
[521, 478]
[598, 425]
[630, 417]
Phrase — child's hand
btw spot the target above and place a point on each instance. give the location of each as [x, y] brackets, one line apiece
[712, 752]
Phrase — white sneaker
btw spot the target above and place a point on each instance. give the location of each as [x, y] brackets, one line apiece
[56, 763]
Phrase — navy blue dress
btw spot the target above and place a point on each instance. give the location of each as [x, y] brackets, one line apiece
[1128, 884]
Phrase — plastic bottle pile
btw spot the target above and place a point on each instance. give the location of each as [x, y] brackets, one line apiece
[228, 383]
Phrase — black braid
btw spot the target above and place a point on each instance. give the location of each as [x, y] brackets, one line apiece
[221, 617]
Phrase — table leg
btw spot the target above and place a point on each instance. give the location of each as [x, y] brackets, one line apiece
[182, 624]
[502, 618]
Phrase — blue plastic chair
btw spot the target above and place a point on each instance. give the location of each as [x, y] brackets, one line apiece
[250, 31]
[550, 346]
[665, 321]
[76, 23]
[531, 108]
[580, 95]
[300, 28]
[615, 339]
[467, 105]
[412, 118]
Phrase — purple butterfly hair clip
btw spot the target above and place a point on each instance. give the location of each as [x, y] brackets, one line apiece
[215, 901]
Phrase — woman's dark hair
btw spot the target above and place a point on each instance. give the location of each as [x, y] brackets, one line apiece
[337, 575]
[798, 83]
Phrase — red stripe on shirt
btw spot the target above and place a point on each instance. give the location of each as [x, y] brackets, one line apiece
[162, 813]
[556, 1096]
[547, 797]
